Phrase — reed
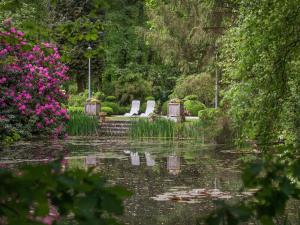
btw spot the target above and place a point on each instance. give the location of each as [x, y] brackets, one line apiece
[163, 128]
[82, 125]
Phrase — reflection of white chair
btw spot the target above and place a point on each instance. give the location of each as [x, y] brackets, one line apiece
[135, 158]
[135, 107]
[149, 160]
[150, 108]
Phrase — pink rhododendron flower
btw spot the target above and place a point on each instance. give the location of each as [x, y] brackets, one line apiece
[31, 82]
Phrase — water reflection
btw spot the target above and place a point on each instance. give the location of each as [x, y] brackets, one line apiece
[149, 160]
[135, 159]
[173, 164]
[148, 169]
[90, 161]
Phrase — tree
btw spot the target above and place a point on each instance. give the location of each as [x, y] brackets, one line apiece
[76, 30]
[261, 68]
[260, 58]
[183, 33]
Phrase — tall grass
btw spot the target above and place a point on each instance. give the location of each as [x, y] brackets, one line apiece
[163, 128]
[82, 125]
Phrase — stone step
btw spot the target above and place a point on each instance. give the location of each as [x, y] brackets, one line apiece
[115, 128]
[114, 125]
[119, 121]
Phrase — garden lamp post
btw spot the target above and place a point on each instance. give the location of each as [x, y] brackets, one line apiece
[217, 81]
[89, 78]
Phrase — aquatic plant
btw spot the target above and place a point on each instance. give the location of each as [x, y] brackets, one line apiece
[164, 128]
[82, 125]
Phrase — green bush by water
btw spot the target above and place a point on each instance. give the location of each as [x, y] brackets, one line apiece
[82, 125]
[193, 107]
[164, 128]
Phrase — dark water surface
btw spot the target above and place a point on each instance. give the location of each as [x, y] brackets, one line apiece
[174, 182]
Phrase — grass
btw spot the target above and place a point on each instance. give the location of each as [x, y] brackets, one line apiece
[163, 128]
[82, 125]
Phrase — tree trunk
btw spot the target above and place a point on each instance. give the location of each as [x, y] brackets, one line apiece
[80, 84]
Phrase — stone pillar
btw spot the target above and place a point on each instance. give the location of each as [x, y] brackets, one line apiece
[176, 110]
[92, 107]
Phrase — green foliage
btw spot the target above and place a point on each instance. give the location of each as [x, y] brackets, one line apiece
[149, 98]
[261, 67]
[75, 31]
[78, 100]
[191, 97]
[163, 128]
[201, 85]
[83, 194]
[107, 110]
[114, 106]
[209, 114]
[132, 86]
[82, 125]
[164, 108]
[193, 107]
[143, 107]
[111, 98]
[275, 184]
[76, 109]
[9, 137]
[124, 109]
[30, 16]
[99, 95]
[177, 31]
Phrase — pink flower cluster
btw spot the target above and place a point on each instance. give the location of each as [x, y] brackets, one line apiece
[31, 81]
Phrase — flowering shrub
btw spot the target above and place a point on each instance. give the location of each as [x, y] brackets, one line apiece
[31, 76]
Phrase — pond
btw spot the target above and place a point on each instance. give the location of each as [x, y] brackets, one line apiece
[174, 182]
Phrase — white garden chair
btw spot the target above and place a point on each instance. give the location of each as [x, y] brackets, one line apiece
[149, 109]
[135, 107]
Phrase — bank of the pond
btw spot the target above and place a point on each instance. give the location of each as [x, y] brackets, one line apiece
[140, 128]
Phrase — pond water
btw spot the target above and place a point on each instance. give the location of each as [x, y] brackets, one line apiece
[174, 182]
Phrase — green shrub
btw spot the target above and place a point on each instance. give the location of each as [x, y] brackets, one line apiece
[111, 99]
[164, 108]
[191, 97]
[143, 107]
[77, 100]
[124, 109]
[115, 107]
[208, 114]
[193, 107]
[149, 98]
[201, 85]
[99, 96]
[107, 109]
